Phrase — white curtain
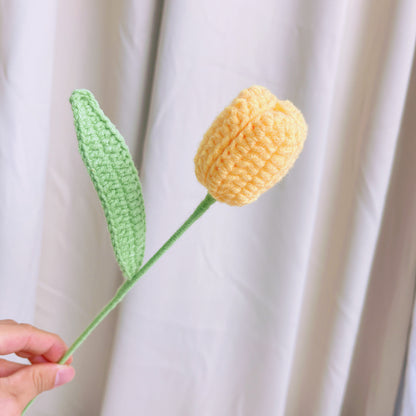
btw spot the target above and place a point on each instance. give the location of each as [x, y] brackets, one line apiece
[298, 304]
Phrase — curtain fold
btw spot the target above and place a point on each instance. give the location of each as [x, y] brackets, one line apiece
[345, 270]
[27, 34]
[299, 303]
[401, 252]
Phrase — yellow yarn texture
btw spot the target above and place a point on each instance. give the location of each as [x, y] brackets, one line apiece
[250, 146]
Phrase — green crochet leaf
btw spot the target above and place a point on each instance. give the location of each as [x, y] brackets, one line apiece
[115, 178]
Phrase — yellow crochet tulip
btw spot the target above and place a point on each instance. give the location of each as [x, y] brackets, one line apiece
[250, 146]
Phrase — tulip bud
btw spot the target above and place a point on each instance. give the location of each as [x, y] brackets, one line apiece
[250, 146]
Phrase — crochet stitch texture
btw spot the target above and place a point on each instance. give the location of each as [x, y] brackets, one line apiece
[250, 146]
[115, 179]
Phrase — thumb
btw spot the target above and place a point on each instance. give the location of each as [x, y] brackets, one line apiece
[27, 383]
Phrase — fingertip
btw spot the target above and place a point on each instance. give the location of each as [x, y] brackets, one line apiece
[64, 375]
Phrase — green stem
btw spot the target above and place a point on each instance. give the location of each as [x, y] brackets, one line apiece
[123, 290]
[128, 284]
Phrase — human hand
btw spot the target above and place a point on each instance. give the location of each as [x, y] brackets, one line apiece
[19, 383]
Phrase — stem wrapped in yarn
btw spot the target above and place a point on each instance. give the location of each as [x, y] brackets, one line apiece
[250, 146]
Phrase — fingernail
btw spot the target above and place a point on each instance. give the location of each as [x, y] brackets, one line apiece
[64, 375]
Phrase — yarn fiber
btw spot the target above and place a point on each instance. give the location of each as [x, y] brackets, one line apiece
[250, 146]
[115, 179]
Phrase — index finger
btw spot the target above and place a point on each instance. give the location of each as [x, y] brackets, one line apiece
[27, 340]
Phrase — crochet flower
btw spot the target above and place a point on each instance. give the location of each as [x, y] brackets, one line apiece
[250, 146]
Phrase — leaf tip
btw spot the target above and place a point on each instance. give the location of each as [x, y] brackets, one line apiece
[79, 95]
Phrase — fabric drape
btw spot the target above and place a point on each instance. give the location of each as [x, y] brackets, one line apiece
[300, 303]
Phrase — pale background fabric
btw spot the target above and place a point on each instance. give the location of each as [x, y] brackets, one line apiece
[299, 304]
